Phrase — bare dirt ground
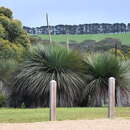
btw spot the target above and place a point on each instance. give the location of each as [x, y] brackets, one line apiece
[102, 124]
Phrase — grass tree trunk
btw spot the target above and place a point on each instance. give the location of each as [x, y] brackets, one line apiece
[128, 100]
[106, 98]
[102, 101]
[1, 85]
[98, 101]
[118, 96]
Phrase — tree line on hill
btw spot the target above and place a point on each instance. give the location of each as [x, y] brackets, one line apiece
[94, 28]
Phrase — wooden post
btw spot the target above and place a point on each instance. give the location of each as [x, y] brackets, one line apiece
[111, 94]
[53, 87]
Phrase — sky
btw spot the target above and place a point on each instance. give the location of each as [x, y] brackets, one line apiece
[32, 12]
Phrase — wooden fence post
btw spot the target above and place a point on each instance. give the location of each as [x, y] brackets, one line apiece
[53, 87]
[111, 95]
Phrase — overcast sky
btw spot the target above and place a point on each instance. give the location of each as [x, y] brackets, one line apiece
[32, 12]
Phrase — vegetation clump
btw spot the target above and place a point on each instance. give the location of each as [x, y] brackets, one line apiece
[99, 68]
[52, 63]
[13, 39]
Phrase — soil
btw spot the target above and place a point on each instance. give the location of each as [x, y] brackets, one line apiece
[100, 124]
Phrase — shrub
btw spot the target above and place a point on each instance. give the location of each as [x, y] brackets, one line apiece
[2, 100]
[51, 63]
[100, 67]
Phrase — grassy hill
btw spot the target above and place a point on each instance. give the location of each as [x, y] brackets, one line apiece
[123, 37]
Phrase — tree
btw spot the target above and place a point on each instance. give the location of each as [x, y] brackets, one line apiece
[4, 23]
[14, 41]
[51, 63]
[14, 30]
[99, 68]
[7, 67]
[6, 12]
[2, 32]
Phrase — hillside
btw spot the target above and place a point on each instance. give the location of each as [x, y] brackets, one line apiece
[123, 37]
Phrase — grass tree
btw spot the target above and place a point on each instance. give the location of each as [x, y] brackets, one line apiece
[99, 67]
[51, 63]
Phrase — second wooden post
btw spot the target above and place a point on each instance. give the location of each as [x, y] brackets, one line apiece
[111, 94]
[53, 87]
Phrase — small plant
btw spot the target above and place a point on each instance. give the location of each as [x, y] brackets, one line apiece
[23, 105]
[2, 100]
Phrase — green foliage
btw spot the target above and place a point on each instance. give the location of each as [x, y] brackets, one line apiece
[6, 68]
[13, 51]
[14, 29]
[99, 68]
[23, 39]
[2, 32]
[2, 100]
[51, 63]
[6, 12]
[5, 49]
[14, 41]
[5, 21]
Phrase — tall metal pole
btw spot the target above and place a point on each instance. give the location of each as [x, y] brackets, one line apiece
[49, 31]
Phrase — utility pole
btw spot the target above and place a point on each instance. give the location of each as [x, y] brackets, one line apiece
[49, 31]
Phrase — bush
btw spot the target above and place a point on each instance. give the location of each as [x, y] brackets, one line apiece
[51, 63]
[100, 67]
[2, 100]
[6, 12]
[13, 39]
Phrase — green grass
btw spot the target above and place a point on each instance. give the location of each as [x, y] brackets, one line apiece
[42, 114]
[123, 37]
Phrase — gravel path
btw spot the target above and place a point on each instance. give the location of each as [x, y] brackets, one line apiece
[102, 124]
